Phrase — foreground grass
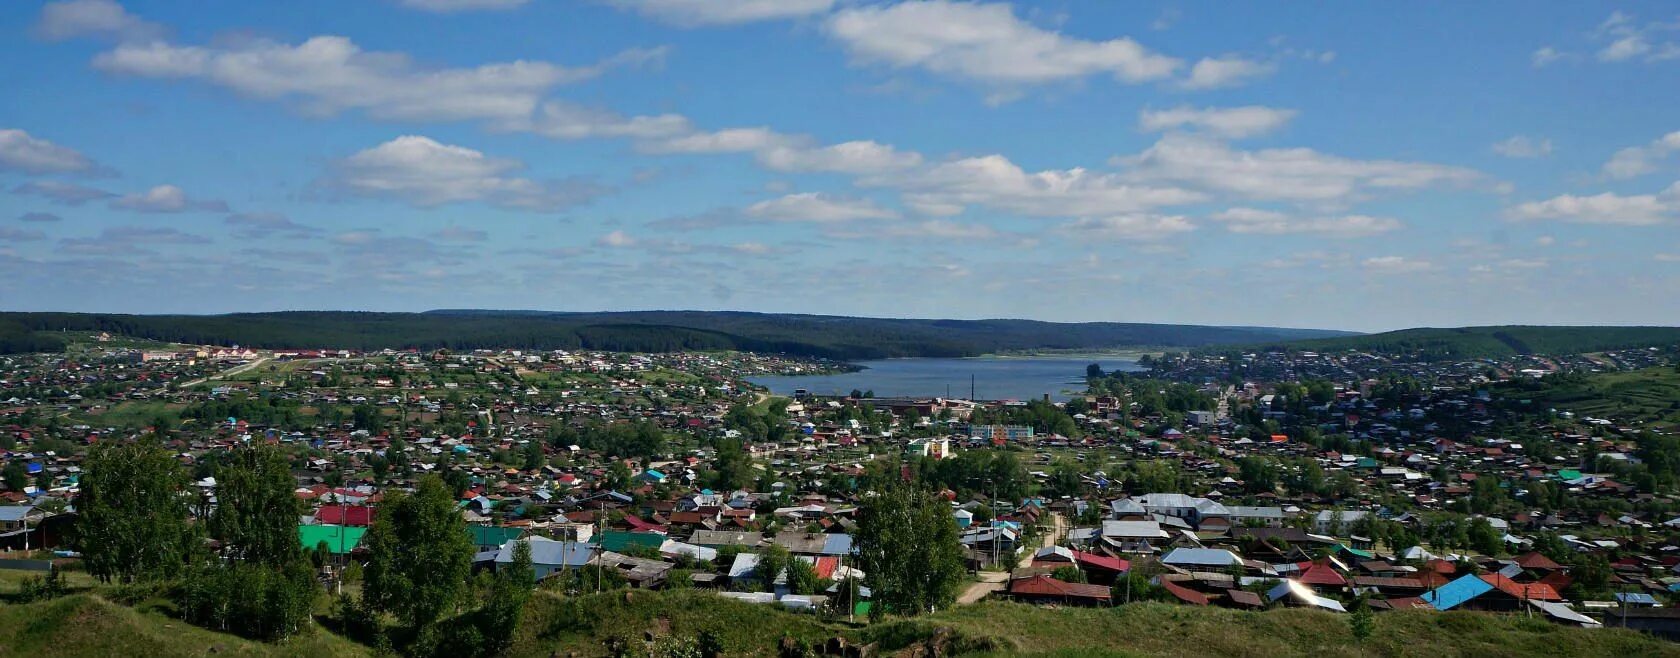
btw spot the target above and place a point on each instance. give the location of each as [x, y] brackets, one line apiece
[88, 625]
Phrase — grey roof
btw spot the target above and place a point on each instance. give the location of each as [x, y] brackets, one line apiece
[725, 538]
[1133, 530]
[1246, 512]
[15, 513]
[548, 552]
[1201, 557]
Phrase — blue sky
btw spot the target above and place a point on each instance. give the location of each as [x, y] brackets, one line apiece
[1361, 166]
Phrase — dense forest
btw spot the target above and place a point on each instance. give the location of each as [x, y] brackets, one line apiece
[1431, 344]
[639, 331]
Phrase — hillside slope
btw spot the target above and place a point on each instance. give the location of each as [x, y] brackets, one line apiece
[639, 331]
[1490, 342]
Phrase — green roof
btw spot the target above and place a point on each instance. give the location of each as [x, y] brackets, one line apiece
[339, 539]
[619, 540]
[1569, 474]
[1356, 552]
[490, 535]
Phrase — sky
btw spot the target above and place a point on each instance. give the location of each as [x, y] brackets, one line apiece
[1361, 166]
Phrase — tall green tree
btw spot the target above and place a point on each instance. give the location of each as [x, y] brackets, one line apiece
[257, 512]
[419, 555]
[907, 547]
[132, 522]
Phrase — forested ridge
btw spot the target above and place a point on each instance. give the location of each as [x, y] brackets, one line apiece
[1432, 344]
[639, 331]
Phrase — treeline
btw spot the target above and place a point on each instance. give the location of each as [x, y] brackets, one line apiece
[1489, 342]
[832, 337]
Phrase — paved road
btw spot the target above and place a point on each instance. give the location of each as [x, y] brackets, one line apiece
[227, 373]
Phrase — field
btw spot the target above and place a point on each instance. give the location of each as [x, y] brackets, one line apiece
[1650, 396]
[87, 625]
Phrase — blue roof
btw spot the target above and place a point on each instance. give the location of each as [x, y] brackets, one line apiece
[1636, 597]
[1455, 593]
[837, 544]
[550, 553]
[33, 467]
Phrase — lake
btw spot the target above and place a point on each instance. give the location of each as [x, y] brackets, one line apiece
[995, 378]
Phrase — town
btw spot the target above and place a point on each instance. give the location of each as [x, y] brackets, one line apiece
[1352, 483]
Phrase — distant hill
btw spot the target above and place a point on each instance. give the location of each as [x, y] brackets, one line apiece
[835, 337]
[1433, 344]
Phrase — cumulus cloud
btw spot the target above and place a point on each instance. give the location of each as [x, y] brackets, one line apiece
[460, 234]
[616, 240]
[1606, 208]
[986, 43]
[167, 199]
[11, 234]
[1627, 39]
[1136, 227]
[1234, 122]
[855, 157]
[257, 225]
[1636, 161]
[1226, 71]
[420, 171]
[1521, 146]
[694, 13]
[1298, 174]
[995, 182]
[40, 218]
[326, 75]
[452, 6]
[20, 151]
[69, 194]
[1397, 265]
[1269, 222]
[750, 248]
[562, 120]
[122, 240]
[93, 18]
[818, 208]
[1546, 55]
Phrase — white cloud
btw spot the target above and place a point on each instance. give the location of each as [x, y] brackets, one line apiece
[856, 157]
[995, 182]
[616, 240]
[732, 140]
[1627, 39]
[39, 218]
[460, 234]
[97, 18]
[563, 120]
[10, 234]
[1299, 174]
[819, 208]
[1521, 146]
[258, 225]
[69, 194]
[20, 151]
[167, 199]
[751, 248]
[330, 74]
[1606, 208]
[1137, 227]
[1640, 160]
[451, 6]
[1268, 222]
[1397, 265]
[1235, 122]
[1226, 71]
[694, 13]
[986, 43]
[1546, 55]
[420, 171]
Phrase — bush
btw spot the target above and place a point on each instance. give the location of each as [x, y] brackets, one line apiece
[251, 600]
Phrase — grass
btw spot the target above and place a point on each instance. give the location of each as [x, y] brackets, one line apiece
[1651, 395]
[85, 624]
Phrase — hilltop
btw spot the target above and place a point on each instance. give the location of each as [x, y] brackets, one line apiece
[85, 624]
[836, 337]
[1445, 344]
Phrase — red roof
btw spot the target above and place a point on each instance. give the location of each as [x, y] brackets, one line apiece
[1102, 561]
[351, 515]
[1042, 585]
[1184, 594]
[1534, 560]
[1321, 574]
[1525, 591]
[825, 566]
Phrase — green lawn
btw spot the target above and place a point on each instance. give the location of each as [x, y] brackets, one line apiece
[1651, 395]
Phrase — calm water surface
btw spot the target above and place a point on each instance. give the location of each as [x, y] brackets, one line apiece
[995, 378]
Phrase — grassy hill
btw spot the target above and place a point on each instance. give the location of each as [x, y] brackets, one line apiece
[1490, 342]
[1650, 395]
[639, 331]
[85, 625]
